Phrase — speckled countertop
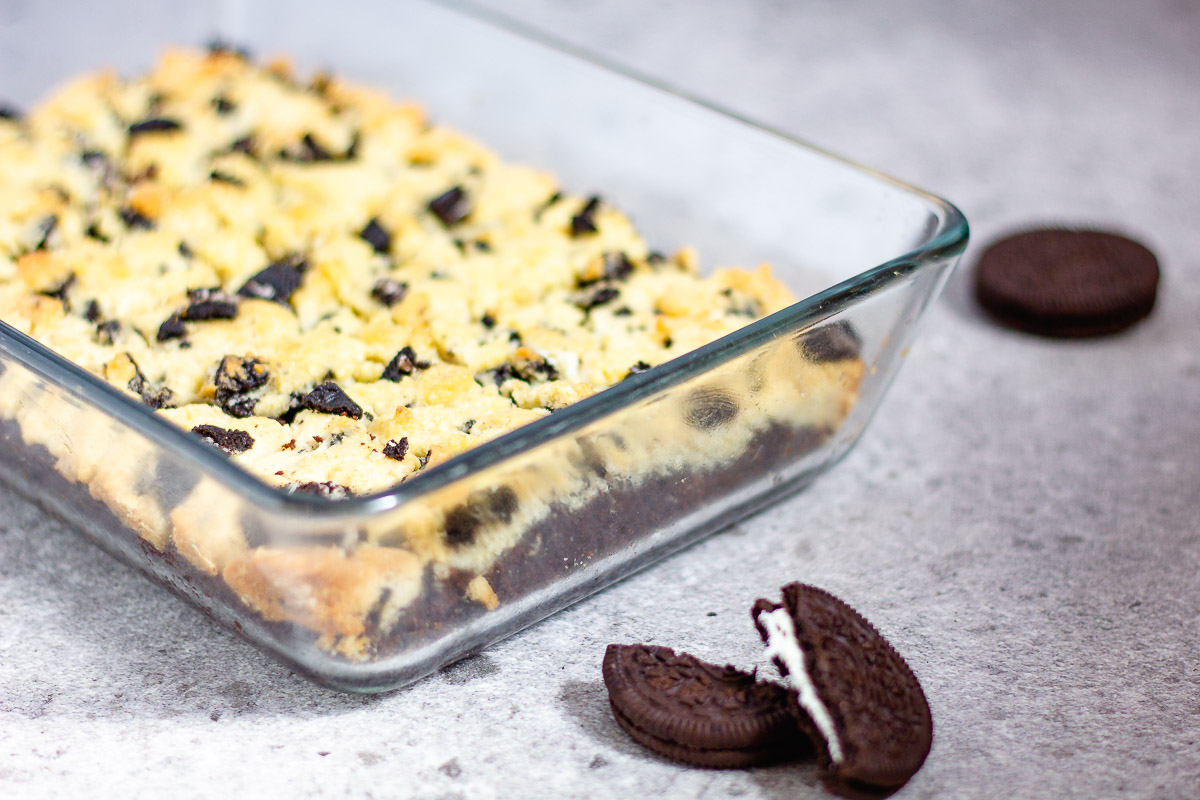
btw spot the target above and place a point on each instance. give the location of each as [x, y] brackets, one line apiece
[1022, 519]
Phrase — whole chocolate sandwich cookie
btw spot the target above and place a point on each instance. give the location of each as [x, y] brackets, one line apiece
[1067, 283]
[854, 695]
[687, 710]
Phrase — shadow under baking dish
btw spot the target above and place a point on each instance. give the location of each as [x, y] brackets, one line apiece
[370, 593]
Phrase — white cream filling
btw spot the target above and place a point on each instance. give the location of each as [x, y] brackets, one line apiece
[783, 644]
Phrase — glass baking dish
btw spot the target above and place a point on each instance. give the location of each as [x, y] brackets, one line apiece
[370, 593]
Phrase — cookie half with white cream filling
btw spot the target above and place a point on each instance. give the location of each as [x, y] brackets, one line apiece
[856, 696]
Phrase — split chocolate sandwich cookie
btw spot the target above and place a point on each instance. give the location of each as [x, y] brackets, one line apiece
[854, 695]
[687, 710]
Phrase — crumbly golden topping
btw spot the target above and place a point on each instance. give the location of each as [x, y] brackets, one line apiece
[320, 283]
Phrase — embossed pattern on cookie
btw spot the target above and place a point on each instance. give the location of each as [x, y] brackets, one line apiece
[688, 710]
[1067, 283]
[856, 696]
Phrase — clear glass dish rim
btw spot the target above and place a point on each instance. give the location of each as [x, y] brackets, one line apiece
[946, 241]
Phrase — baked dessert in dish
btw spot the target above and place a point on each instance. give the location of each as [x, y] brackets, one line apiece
[338, 296]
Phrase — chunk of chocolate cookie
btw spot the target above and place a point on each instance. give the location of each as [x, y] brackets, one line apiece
[377, 236]
[837, 341]
[1067, 283]
[709, 408]
[276, 282]
[482, 509]
[154, 125]
[687, 710]
[209, 304]
[388, 291]
[230, 442]
[405, 362]
[585, 221]
[451, 206]
[235, 380]
[854, 695]
[329, 398]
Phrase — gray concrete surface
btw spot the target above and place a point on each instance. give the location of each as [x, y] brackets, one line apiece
[1022, 519]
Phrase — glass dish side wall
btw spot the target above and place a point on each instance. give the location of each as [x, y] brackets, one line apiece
[600, 502]
[372, 601]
